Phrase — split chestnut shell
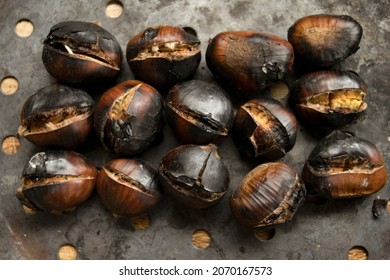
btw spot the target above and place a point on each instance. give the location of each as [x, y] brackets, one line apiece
[270, 194]
[128, 187]
[56, 181]
[344, 166]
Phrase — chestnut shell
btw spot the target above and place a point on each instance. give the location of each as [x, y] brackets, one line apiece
[324, 40]
[249, 61]
[344, 166]
[128, 187]
[264, 129]
[329, 98]
[269, 194]
[56, 181]
[194, 176]
[163, 55]
[80, 52]
[57, 116]
[199, 112]
[128, 117]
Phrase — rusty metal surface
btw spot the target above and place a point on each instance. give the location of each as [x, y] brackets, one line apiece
[319, 231]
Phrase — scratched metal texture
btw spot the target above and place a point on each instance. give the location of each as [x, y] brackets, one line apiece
[319, 231]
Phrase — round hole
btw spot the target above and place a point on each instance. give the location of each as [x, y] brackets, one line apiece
[201, 238]
[141, 222]
[279, 90]
[358, 253]
[114, 9]
[24, 28]
[9, 85]
[10, 145]
[190, 30]
[264, 235]
[67, 252]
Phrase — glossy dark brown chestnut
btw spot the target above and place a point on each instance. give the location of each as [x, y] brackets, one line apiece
[248, 60]
[163, 55]
[81, 52]
[324, 40]
[270, 194]
[57, 116]
[56, 181]
[194, 176]
[199, 112]
[128, 187]
[128, 117]
[329, 98]
[264, 129]
[344, 166]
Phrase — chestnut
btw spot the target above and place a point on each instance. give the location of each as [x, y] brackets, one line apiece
[57, 116]
[128, 117]
[128, 187]
[249, 61]
[264, 129]
[269, 194]
[324, 40]
[194, 176]
[163, 55]
[344, 166]
[329, 98]
[199, 112]
[80, 52]
[56, 181]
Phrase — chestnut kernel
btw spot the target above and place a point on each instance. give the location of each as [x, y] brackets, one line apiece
[80, 52]
[128, 187]
[56, 181]
[57, 116]
[329, 98]
[163, 55]
[324, 40]
[344, 166]
[249, 61]
[269, 194]
[194, 176]
[199, 112]
[128, 117]
[264, 129]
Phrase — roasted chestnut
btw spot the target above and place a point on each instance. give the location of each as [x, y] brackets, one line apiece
[329, 98]
[128, 117]
[199, 112]
[269, 194]
[324, 40]
[57, 116]
[344, 166]
[81, 52]
[56, 181]
[249, 61]
[194, 176]
[128, 187]
[264, 129]
[163, 55]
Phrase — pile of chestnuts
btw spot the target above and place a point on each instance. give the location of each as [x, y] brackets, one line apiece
[129, 117]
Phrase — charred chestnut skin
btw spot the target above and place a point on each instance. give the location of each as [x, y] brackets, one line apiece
[264, 129]
[78, 52]
[329, 98]
[199, 112]
[128, 187]
[194, 176]
[249, 61]
[269, 194]
[128, 117]
[56, 181]
[344, 166]
[324, 40]
[163, 55]
[57, 116]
